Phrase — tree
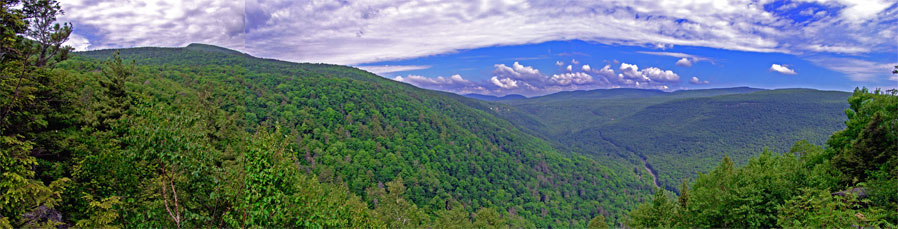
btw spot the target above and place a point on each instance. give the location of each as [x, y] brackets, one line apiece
[393, 209]
[31, 104]
[597, 222]
[49, 35]
[453, 217]
[488, 218]
[118, 101]
[870, 138]
[660, 212]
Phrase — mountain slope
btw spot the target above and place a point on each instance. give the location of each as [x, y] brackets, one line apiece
[355, 128]
[680, 133]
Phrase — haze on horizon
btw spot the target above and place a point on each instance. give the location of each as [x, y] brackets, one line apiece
[530, 47]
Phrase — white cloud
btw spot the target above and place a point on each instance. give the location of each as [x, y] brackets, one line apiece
[684, 62]
[384, 69]
[517, 71]
[78, 42]
[354, 32]
[857, 11]
[837, 49]
[571, 78]
[123, 23]
[559, 63]
[857, 69]
[527, 80]
[782, 69]
[505, 83]
[438, 81]
[656, 74]
[631, 71]
[575, 62]
[696, 80]
[570, 68]
[455, 83]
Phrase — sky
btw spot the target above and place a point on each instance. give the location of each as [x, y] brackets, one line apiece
[532, 48]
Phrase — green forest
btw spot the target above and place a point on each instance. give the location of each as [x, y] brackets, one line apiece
[851, 182]
[203, 136]
[678, 133]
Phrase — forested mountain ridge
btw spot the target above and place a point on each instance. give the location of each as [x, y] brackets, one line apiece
[677, 133]
[494, 98]
[238, 137]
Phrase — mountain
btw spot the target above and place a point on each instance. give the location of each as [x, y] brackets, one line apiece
[676, 134]
[495, 98]
[849, 183]
[713, 92]
[212, 48]
[353, 129]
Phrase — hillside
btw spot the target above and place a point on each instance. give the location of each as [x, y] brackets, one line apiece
[351, 129]
[678, 133]
[850, 183]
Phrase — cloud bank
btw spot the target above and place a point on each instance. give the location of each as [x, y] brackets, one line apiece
[367, 31]
[334, 31]
[527, 80]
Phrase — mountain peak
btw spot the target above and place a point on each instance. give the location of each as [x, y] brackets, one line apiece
[212, 48]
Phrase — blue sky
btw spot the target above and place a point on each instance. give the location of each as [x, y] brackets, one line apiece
[719, 67]
[524, 47]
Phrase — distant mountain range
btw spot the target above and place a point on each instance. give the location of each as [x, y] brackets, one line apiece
[495, 98]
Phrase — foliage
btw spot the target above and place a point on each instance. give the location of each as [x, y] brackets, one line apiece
[800, 188]
[355, 129]
[688, 131]
[597, 222]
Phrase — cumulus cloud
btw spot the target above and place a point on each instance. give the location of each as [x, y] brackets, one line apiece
[559, 63]
[517, 71]
[684, 62]
[527, 80]
[631, 71]
[570, 68]
[656, 74]
[506, 83]
[384, 69]
[579, 78]
[575, 62]
[782, 69]
[696, 80]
